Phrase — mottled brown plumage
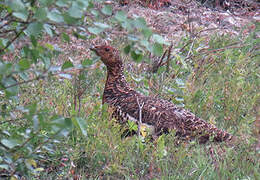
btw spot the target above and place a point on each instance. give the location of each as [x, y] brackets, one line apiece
[161, 114]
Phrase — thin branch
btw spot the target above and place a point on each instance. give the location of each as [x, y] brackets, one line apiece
[156, 67]
[10, 42]
[7, 31]
[168, 58]
[23, 82]
[215, 50]
[25, 142]
[190, 41]
[27, 22]
[7, 15]
[7, 22]
[140, 106]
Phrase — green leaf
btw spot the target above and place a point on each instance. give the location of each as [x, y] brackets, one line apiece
[49, 46]
[75, 11]
[69, 19]
[35, 54]
[132, 126]
[24, 76]
[146, 44]
[5, 68]
[23, 15]
[34, 41]
[147, 32]
[24, 64]
[35, 123]
[84, 4]
[107, 10]
[87, 62]
[157, 49]
[140, 23]
[45, 2]
[159, 39]
[34, 29]
[95, 30]
[79, 36]
[101, 25]
[94, 12]
[127, 24]
[121, 16]
[81, 124]
[137, 56]
[55, 16]
[32, 108]
[16, 5]
[41, 14]
[65, 37]
[4, 166]
[133, 37]
[62, 3]
[67, 65]
[127, 49]
[48, 29]
[10, 143]
[11, 91]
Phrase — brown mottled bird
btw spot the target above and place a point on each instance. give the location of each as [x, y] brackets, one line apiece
[160, 114]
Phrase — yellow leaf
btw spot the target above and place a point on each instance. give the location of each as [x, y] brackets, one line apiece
[143, 130]
[146, 130]
[13, 178]
[39, 169]
[32, 162]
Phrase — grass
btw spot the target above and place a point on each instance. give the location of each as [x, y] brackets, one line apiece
[221, 87]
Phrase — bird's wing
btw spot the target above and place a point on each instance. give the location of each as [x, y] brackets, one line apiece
[164, 115]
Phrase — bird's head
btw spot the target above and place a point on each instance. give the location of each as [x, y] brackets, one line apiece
[108, 54]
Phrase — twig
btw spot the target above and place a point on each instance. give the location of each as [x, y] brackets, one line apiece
[192, 44]
[215, 50]
[23, 82]
[7, 22]
[168, 58]
[156, 67]
[7, 31]
[140, 116]
[190, 41]
[27, 22]
[11, 41]
[7, 15]
[25, 142]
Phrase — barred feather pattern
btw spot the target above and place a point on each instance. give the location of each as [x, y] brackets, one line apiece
[161, 114]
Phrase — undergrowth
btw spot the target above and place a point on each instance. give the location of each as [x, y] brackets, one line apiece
[220, 87]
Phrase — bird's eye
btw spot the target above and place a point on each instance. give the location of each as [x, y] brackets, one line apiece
[107, 49]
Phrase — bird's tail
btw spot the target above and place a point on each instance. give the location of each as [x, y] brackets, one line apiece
[193, 126]
[207, 131]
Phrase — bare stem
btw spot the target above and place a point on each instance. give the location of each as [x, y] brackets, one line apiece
[140, 106]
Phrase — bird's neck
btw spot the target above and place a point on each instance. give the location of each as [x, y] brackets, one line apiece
[116, 85]
[115, 77]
